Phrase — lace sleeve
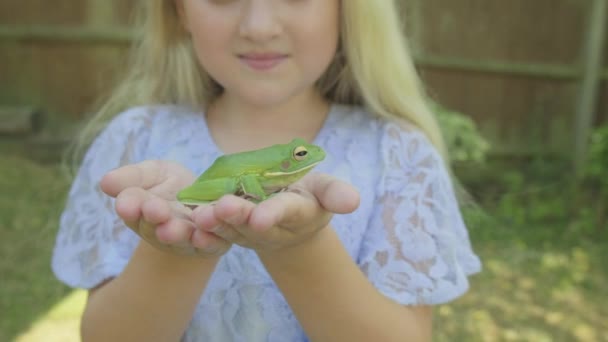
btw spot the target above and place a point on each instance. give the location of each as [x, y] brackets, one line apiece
[416, 250]
[93, 244]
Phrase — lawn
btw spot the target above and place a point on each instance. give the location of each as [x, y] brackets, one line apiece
[30, 202]
[545, 274]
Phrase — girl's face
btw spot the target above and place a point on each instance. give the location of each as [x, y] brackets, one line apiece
[263, 52]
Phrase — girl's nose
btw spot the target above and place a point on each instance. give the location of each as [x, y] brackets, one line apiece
[260, 21]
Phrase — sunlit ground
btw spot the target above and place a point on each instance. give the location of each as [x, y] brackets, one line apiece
[540, 282]
[60, 324]
[531, 295]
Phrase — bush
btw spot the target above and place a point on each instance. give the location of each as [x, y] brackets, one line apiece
[596, 175]
[464, 141]
[596, 169]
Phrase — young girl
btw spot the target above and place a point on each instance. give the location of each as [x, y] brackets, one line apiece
[357, 251]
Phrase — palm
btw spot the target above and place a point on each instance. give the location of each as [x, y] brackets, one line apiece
[172, 178]
[160, 178]
[146, 201]
[285, 219]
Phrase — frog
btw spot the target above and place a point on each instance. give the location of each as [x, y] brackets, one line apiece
[254, 175]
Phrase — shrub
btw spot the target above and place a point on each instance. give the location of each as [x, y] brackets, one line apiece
[596, 168]
[596, 174]
[464, 141]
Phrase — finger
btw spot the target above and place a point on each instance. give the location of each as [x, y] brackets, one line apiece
[228, 233]
[204, 218]
[233, 214]
[171, 223]
[155, 210]
[128, 206]
[316, 196]
[334, 195]
[142, 175]
[175, 232]
[285, 208]
[158, 222]
[208, 242]
[233, 210]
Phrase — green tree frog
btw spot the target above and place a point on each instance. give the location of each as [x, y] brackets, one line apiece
[254, 175]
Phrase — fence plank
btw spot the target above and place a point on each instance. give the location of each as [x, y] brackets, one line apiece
[100, 13]
[107, 35]
[513, 66]
[550, 71]
[591, 82]
[57, 34]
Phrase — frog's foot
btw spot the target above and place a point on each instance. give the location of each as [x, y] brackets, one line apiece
[278, 192]
[252, 198]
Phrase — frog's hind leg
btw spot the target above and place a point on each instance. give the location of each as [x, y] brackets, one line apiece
[207, 191]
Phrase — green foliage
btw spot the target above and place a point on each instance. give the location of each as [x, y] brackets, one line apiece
[525, 193]
[544, 275]
[595, 180]
[597, 162]
[31, 199]
[465, 142]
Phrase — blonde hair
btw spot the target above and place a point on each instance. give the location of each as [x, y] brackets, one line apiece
[372, 67]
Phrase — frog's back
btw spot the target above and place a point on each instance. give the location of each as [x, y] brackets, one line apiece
[238, 164]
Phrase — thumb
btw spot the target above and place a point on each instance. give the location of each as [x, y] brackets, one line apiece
[141, 175]
[334, 194]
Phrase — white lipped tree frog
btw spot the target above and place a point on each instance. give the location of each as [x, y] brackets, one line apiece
[254, 175]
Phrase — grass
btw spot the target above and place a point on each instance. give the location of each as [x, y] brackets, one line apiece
[59, 324]
[31, 199]
[544, 277]
[531, 292]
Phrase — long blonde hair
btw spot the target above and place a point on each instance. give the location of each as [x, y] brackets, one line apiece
[372, 67]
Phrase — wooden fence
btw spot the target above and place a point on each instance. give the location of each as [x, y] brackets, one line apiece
[531, 73]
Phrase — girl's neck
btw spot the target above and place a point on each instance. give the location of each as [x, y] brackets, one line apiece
[236, 126]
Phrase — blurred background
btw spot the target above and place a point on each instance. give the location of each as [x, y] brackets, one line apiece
[520, 88]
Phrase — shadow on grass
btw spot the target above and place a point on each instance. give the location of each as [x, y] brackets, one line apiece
[60, 324]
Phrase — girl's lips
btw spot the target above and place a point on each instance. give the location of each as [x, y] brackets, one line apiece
[263, 61]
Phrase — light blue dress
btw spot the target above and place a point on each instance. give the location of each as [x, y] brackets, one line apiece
[407, 236]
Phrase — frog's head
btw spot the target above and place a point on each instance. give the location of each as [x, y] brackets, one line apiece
[298, 158]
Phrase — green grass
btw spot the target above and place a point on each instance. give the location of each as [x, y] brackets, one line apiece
[60, 323]
[544, 278]
[31, 199]
[531, 292]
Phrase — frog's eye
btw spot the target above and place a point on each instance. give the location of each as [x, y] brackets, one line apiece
[299, 153]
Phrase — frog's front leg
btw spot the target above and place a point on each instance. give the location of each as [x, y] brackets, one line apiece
[252, 189]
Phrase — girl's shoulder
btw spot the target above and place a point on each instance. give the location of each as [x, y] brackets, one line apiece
[159, 122]
[385, 133]
[153, 115]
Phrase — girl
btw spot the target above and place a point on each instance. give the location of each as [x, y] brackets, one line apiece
[358, 251]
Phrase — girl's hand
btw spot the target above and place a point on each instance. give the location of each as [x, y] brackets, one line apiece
[145, 201]
[282, 221]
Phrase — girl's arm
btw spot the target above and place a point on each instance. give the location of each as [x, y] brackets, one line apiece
[329, 294]
[152, 300]
[154, 297]
[334, 301]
